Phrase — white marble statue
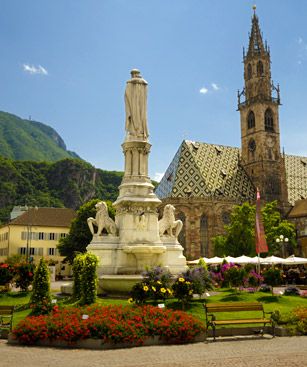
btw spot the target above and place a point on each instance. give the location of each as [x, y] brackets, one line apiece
[168, 226]
[102, 220]
[136, 106]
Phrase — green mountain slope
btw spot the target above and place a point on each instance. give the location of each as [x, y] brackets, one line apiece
[30, 140]
[66, 183]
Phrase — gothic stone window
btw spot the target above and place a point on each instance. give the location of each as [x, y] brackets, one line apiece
[204, 238]
[181, 237]
[259, 68]
[268, 120]
[249, 71]
[251, 120]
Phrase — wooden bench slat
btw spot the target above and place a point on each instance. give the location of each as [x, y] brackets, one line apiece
[241, 321]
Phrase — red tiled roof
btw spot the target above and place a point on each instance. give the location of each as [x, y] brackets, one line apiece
[50, 217]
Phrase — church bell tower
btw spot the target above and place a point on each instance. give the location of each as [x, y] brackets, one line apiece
[258, 104]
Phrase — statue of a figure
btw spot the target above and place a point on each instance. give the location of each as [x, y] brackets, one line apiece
[136, 106]
[168, 226]
[102, 220]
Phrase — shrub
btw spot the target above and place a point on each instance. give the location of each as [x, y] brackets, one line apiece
[40, 300]
[183, 290]
[77, 271]
[272, 277]
[6, 274]
[155, 286]
[111, 324]
[265, 288]
[301, 315]
[292, 291]
[234, 275]
[253, 279]
[24, 273]
[89, 279]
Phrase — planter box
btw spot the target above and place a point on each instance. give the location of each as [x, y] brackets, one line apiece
[98, 344]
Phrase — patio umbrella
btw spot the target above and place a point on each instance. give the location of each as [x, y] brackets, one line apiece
[294, 260]
[245, 260]
[195, 262]
[230, 259]
[214, 260]
[273, 260]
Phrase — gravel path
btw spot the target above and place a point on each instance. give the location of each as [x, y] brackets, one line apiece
[237, 352]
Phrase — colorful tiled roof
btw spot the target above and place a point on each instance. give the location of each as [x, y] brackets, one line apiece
[209, 170]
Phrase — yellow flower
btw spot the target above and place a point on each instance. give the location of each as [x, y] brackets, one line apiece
[190, 292]
[158, 282]
[181, 280]
[145, 288]
[163, 290]
[153, 288]
[188, 283]
[169, 291]
[130, 300]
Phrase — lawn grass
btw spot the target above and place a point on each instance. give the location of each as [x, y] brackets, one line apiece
[284, 304]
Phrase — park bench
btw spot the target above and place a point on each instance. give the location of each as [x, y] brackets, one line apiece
[230, 318]
[6, 317]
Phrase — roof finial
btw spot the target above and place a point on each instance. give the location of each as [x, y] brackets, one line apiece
[254, 8]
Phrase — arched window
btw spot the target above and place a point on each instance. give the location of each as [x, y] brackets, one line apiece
[259, 68]
[251, 120]
[249, 71]
[268, 120]
[181, 237]
[204, 238]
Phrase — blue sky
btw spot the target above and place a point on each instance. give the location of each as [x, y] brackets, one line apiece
[66, 63]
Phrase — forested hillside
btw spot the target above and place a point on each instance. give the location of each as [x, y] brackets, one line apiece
[30, 140]
[66, 183]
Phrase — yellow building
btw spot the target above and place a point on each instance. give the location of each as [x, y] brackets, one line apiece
[36, 233]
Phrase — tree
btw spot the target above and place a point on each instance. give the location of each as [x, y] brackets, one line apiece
[40, 300]
[240, 233]
[274, 226]
[79, 234]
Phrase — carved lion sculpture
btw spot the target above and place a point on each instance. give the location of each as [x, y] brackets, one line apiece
[102, 220]
[168, 225]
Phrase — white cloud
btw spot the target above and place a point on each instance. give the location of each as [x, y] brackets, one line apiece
[158, 176]
[203, 90]
[31, 69]
[215, 86]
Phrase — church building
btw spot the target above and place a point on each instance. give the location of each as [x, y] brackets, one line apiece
[204, 181]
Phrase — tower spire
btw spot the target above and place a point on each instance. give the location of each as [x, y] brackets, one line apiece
[256, 46]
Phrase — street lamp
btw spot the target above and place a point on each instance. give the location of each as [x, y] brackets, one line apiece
[282, 240]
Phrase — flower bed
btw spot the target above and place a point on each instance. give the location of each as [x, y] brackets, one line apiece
[130, 325]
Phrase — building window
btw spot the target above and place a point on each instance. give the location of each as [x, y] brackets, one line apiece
[249, 71]
[39, 251]
[259, 68]
[181, 237]
[22, 250]
[41, 235]
[52, 251]
[51, 236]
[3, 251]
[4, 237]
[268, 120]
[63, 235]
[251, 120]
[204, 238]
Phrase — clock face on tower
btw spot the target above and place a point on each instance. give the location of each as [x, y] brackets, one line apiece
[252, 145]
